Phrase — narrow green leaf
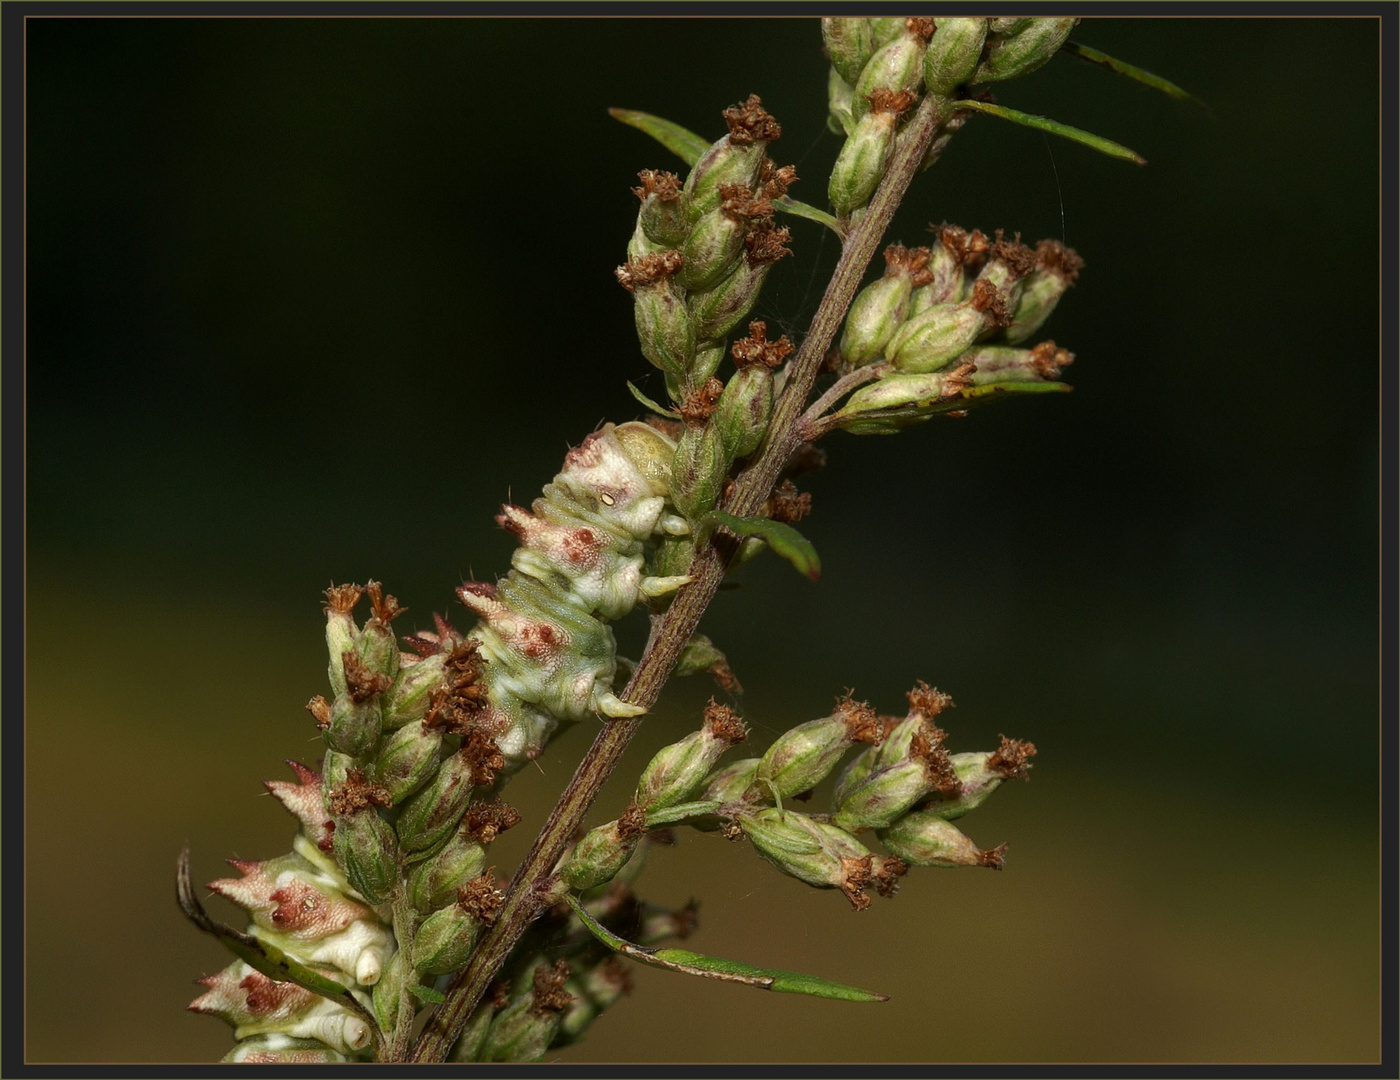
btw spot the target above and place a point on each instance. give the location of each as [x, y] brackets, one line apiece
[792, 206]
[428, 994]
[1054, 127]
[1120, 67]
[653, 406]
[682, 142]
[712, 967]
[671, 815]
[261, 955]
[783, 539]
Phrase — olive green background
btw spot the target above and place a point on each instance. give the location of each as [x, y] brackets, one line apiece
[307, 298]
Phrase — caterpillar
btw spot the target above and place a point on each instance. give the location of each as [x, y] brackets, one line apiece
[550, 654]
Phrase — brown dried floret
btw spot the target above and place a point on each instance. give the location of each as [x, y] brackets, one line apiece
[633, 822]
[1049, 359]
[774, 181]
[921, 28]
[666, 186]
[994, 858]
[454, 706]
[343, 598]
[643, 270]
[484, 821]
[969, 248]
[361, 683]
[724, 723]
[320, 708]
[356, 794]
[891, 101]
[757, 349]
[749, 123]
[888, 873]
[1012, 758]
[699, 405]
[1021, 259]
[765, 242]
[549, 993]
[787, 504]
[928, 700]
[482, 756]
[1054, 256]
[737, 201]
[862, 723]
[481, 898]
[987, 299]
[927, 746]
[857, 877]
[386, 608]
[955, 381]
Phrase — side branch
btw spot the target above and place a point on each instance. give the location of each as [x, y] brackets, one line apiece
[530, 889]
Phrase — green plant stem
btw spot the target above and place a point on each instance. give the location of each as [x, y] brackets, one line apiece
[530, 889]
[403, 933]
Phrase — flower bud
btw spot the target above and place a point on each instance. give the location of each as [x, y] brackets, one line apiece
[355, 727]
[888, 791]
[1029, 44]
[946, 283]
[885, 29]
[663, 324]
[1001, 364]
[673, 775]
[468, 1046]
[803, 756]
[365, 848]
[411, 692]
[444, 941]
[744, 410]
[335, 770]
[860, 166]
[717, 310]
[662, 216]
[387, 996]
[934, 338]
[731, 783]
[820, 855]
[1057, 268]
[838, 104]
[433, 882]
[341, 631]
[848, 45]
[434, 811]
[953, 53]
[699, 472]
[276, 1049]
[715, 241]
[882, 305]
[897, 401]
[525, 1028]
[895, 67]
[601, 853]
[980, 774]
[735, 159]
[926, 839]
[406, 760]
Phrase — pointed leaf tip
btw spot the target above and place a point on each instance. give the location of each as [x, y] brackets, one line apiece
[783, 539]
[1054, 127]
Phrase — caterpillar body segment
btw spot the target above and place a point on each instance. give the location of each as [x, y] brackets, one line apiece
[550, 655]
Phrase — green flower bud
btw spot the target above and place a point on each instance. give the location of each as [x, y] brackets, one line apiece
[744, 410]
[1057, 268]
[676, 771]
[1000, 364]
[387, 997]
[662, 216]
[717, 310]
[925, 839]
[525, 1028]
[663, 324]
[1003, 26]
[895, 67]
[848, 45]
[434, 882]
[354, 728]
[855, 772]
[378, 651]
[935, 337]
[407, 759]
[639, 245]
[341, 632]
[434, 811]
[953, 53]
[735, 159]
[981, 774]
[411, 692]
[444, 941]
[820, 855]
[885, 29]
[898, 401]
[881, 306]
[699, 472]
[601, 853]
[335, 770]
[1029, 45]
[716, 240]
[731, 783]
[946, 283]
[860, 166]
[888, 791]
[468, 1046]
[365, 848]
[803, 756]
[839, 94]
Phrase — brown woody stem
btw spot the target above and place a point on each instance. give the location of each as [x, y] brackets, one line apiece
[529, 889]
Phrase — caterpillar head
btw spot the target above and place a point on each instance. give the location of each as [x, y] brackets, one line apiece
[625, 490]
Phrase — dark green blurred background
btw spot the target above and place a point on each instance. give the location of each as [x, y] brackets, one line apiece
[308, 298]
